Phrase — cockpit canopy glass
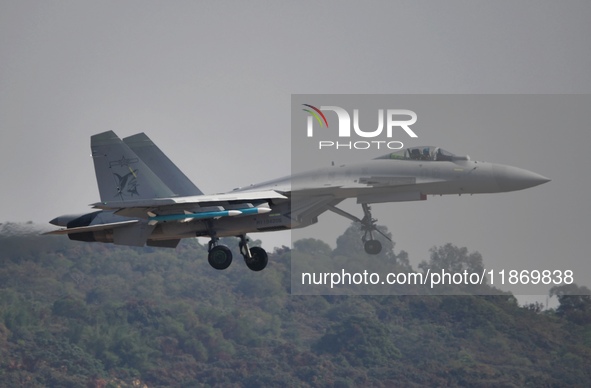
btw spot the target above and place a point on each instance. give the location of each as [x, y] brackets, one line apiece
[421, 153]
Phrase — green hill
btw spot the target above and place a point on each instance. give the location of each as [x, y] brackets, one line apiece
[78, 314]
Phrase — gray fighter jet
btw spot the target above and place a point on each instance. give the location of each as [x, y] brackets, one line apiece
[147, 200]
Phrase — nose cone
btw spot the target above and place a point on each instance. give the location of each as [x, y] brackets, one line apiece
[512, 178]
[55, 221]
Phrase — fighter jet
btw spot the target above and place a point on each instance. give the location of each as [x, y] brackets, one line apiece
[147, 200]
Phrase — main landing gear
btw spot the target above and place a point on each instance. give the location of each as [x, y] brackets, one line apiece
[256, 258]
[220, 256]
[368, 226]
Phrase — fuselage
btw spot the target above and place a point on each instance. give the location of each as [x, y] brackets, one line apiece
[146, 200]
[396, 176]
[309, 193]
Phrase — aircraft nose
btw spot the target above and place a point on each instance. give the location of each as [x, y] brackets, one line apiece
[55, 221]
[512, 178]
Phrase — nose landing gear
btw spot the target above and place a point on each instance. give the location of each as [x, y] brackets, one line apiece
[372, 247]
[368, 226]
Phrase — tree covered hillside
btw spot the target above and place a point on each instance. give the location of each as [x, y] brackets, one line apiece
[89, 314]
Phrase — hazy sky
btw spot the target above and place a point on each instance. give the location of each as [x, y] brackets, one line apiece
[210, 83]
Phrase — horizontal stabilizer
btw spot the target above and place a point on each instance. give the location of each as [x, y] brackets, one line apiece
[92, 228]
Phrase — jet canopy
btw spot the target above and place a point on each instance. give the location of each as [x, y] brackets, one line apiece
[423, 153]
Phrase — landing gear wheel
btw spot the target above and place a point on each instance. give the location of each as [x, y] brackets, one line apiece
[372, 247]
[220, 257]
[368, 227]
[258, 259]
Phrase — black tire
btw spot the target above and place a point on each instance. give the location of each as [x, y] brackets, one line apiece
[258, 260]
[220, 257]
[372, 247]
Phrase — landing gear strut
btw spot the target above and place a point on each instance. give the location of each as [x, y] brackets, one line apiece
[256, 258]
[368, 226]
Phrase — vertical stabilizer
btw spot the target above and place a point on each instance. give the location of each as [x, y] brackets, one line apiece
[121, 175]
[161, 165]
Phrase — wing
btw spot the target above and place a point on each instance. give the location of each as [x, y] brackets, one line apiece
[106, 227]
[211, 199]
[195, 207]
